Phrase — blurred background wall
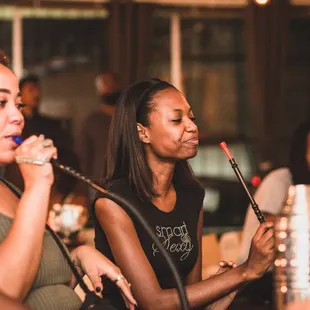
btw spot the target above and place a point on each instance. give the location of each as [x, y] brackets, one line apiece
[243, 64]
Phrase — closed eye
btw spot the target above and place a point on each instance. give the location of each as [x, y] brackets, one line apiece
[177, 120]
[20, 106]
[3, 103]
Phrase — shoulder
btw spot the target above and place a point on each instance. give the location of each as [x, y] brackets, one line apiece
[278, 176]
[119, 187]
[111, 213]
[9, 196]
[272, 192]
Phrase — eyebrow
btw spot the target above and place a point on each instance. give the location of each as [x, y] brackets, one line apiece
[4, 90]
[7, 91]
[180, 110]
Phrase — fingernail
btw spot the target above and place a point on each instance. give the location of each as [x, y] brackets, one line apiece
[98, 290]
[221, 264]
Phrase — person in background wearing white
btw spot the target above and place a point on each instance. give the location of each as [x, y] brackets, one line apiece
[272, 194]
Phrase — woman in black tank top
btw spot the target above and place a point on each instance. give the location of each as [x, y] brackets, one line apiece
[152, 134]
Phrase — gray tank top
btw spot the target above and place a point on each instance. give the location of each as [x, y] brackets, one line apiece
[50, 290]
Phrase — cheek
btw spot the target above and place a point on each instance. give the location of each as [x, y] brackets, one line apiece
[3, 123]
[167, 138]
[22, 123]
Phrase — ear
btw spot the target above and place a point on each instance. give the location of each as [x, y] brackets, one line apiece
[142, 132]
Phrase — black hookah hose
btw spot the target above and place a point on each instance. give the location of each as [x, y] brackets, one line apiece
[123, 202]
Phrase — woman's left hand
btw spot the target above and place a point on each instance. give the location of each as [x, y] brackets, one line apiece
[95, 265]
[224, 267]
[224, 302]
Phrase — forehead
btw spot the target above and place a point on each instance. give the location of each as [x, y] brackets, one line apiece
[170, 100]
[8, 80]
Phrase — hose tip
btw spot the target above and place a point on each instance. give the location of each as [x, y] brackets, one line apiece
[17, 140]
[224, 147]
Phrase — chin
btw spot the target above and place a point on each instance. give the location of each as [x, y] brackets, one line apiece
[190, 155]
[7, 158]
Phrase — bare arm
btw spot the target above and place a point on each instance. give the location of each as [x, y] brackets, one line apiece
[20, 251]
[9, 304]
[195, 275]
[133, 262]
[94, 264]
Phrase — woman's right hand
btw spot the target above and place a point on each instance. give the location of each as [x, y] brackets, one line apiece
[262, 252]
[29, 154]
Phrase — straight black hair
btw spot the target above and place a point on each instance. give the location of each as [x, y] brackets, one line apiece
[125, 154]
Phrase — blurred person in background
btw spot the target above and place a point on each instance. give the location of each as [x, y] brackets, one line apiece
[271, 196]
[91, 141]
[35, 122]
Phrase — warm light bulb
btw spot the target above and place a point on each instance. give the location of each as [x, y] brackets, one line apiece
[261, 2]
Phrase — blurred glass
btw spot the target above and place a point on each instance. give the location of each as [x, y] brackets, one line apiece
[213, 62]
[55, 45]
[67, 54]
[67, 220]
[160, 57]
[213, 68]
[6, 37]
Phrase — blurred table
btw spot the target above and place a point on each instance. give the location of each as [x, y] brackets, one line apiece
[220, 229]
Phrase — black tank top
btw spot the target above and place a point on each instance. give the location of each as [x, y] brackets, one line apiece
[177, 231]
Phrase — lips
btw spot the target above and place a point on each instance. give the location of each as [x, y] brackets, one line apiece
[10, 136]
[192, 141]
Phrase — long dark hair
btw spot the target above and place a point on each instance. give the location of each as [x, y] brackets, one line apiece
[125, 154]
[297, 159]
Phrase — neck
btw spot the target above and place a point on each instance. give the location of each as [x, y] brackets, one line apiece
[163, 172]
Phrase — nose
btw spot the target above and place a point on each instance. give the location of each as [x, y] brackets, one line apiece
[14, 115]
[191, 126]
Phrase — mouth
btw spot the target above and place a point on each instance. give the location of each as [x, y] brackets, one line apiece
[192, 141]
[10, 137]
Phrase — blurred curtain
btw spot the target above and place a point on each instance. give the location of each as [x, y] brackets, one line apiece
[266, 39]
[130, 35]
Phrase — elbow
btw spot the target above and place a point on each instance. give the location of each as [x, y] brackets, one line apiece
[14, 295]
[15, 292]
